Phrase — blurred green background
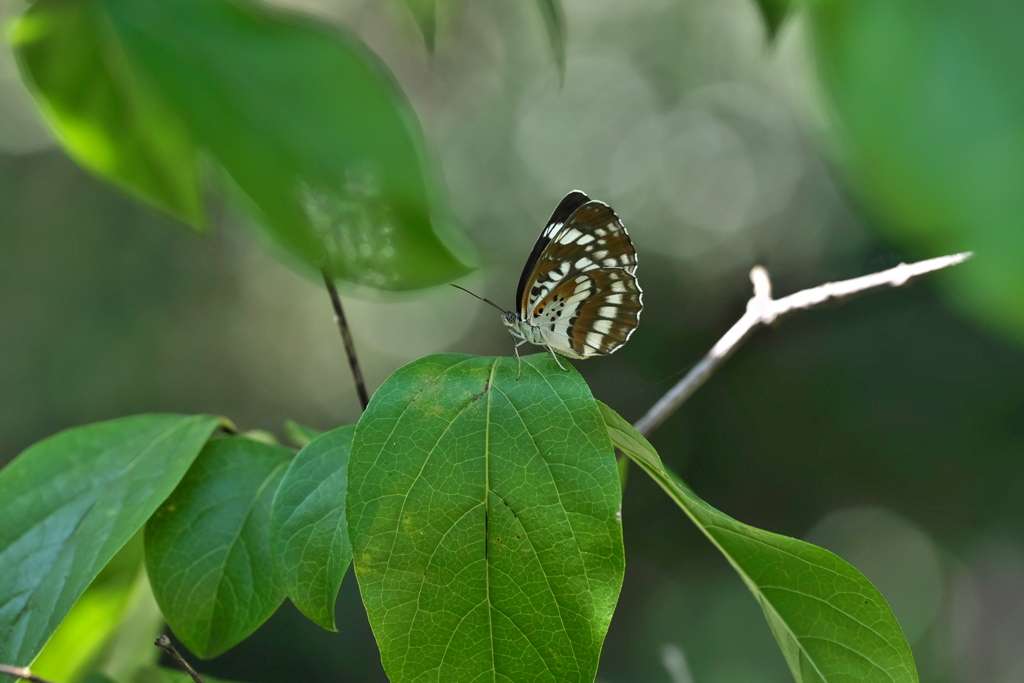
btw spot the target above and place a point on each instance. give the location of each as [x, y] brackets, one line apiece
[890, 430]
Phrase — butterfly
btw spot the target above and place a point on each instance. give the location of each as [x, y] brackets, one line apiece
[578, 295]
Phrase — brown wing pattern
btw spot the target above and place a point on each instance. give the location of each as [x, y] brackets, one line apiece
[583, 294]
[592, 238]
[606, 319]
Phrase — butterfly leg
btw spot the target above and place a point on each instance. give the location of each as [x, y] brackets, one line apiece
[519, 358]
[558, 362]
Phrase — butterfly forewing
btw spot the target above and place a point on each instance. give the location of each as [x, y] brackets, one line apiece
[561, 214]
[581, 289]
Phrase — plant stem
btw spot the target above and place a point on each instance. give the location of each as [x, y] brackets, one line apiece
[164, 643]
[346, 337]
[22, 672]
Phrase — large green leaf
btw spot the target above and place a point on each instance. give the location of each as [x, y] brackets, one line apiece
[931, 121]
[308, 531]
[107, 116]
[304, 121]
[68, 504]
[484, 519]
[830, 622]
[208, 546]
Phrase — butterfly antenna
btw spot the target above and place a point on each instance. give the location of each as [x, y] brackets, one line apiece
[478, 297]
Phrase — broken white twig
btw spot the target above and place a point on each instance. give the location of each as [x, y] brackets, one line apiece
[762, 309]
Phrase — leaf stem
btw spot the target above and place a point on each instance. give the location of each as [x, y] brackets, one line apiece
[762, 309]
[164, 643]
[346, 337]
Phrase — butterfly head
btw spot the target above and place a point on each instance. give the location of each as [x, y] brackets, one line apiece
[515, 325]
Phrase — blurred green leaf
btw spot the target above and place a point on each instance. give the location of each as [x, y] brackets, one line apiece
[131, 648]
[425, 14]
[69, 503]
[261, 435]
[104, 112]
[96, 677]
[773, 13]
[159, 674]
[830, 622]
[932, 128]
[308, 531]
[300, 435]
[484, 519]
[554, 23]
[76, 644]
[305, 122]
[208, 546]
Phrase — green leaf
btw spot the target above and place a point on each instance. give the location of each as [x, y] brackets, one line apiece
[208, 546]
[484, 519]
[158, 674]
[300, 435]
[931, 116]
[95, 677]
[424, 12]
[108, 117]
[131, 647]
[554, 23]
[75, 646]
[830, 622]
[308, 531]
[304, 121]
[69, 503]
[261, 435]
[773, 13]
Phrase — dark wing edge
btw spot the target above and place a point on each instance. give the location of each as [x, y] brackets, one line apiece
[561, 214]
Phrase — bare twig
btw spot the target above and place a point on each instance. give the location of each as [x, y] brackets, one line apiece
[22, 672]
[763, 310]
[346, 337]
[164, 643]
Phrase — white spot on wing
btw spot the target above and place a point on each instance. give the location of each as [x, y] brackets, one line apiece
[573, 301]
[608, 311]
[584, 240]
[570, 236]
[603, 326]
[552, 229]
[582, 263]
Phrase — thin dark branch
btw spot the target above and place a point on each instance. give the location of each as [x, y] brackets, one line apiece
[164, 643]
[22, 672]
[346, 337]
[763, 310]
